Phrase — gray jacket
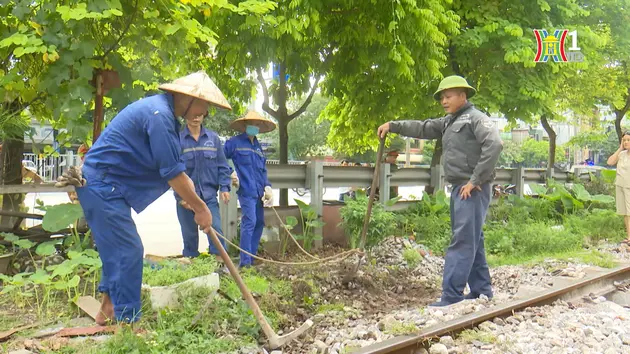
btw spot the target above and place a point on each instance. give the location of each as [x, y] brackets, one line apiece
[470, 143]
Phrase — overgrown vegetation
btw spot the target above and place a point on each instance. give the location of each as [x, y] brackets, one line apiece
[561, 219]
[171, 272]
[382, 223]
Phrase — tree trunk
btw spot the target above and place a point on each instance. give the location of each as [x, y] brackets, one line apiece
[552, 145]
[12, 152]
[284, 155]
[283, 122]
[435, 160]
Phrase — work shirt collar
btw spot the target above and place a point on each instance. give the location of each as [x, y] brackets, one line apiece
[462, 109]
[202, 132]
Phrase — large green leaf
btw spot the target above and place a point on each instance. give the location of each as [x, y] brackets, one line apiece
[601, 198]
[581, 193]
[46, 248]
[609, 176]
[60, 216]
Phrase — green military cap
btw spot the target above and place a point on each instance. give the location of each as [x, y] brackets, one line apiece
[454, 81]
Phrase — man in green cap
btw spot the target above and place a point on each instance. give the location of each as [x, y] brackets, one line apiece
[471, 147]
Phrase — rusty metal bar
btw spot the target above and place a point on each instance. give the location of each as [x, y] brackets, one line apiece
[408, 344]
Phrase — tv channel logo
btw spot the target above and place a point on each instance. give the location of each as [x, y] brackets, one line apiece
[553, 46]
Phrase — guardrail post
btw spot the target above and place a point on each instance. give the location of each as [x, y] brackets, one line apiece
[229, 213]
[384, 181]
[519, 180]
[315, 181]
[437, 178]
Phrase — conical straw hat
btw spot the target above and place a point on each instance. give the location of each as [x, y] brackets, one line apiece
[241, 123]
[198, 85]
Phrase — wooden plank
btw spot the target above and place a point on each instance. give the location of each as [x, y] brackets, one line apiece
[89, 305]
[7, 334]
[34, 188]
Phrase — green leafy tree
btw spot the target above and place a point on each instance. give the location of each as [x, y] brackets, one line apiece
[368, 55]
[53, 53]
[536, 153]
[309, 134]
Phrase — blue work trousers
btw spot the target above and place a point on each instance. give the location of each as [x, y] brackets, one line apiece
[252, 224]
[465, 260]
[190, 229]
[109, 217]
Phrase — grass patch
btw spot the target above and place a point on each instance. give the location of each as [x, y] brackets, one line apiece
[323, 308]
[399, 329]
[225, 327]
[470, 335]
[7, 322]
[412, 257]
[591, 257]
[171, 272]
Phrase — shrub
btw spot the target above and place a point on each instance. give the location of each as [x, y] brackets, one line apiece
[382, 222]
[598, 225]
[535, 238]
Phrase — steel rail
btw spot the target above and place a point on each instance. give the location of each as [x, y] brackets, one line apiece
[599, 284]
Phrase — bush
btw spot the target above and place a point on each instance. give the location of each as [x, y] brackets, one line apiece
[536, 238]
[432, 231]
[382, 223]
[598, 225]
[517, 210]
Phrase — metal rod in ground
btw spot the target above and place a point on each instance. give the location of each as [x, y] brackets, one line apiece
[366, 220]
[273, 339]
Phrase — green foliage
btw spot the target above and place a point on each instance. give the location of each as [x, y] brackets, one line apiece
[596, 226]
[533, 153]
[170, 331]
[570, 201]
[429, 221]
[308, 134]
[62, 216]
[49, 284]
[171, 272]
[50, 53]
[537, 238]
[382, 223]
[399, 45]
[412, 257]
[309, 221]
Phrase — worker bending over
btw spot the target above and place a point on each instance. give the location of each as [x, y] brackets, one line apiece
[133, 162]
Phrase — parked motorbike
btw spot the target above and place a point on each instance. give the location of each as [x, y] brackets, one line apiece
[499, 190]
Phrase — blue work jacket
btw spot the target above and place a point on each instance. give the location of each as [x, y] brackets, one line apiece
[249, 162]
[206, 164]
[138, 152]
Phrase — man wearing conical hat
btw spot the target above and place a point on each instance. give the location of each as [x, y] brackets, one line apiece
[134, 161]
[471, 148]
[255, 189]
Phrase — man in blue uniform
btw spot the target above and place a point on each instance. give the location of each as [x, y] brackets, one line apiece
[132, 164]
[471, 146]
[207, 167]
[255, 189]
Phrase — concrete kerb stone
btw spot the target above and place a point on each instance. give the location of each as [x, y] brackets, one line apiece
[168, 296]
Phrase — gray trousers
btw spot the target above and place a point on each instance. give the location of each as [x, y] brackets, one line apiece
[465, 260]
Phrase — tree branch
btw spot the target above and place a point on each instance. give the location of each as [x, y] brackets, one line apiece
[122, 34]
[265, 105]
[306, 102]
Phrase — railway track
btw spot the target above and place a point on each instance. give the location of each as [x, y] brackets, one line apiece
[600, 285]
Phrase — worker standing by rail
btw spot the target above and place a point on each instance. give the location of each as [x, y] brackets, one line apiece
[471, 146]
[255, 188]
[132, 164]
